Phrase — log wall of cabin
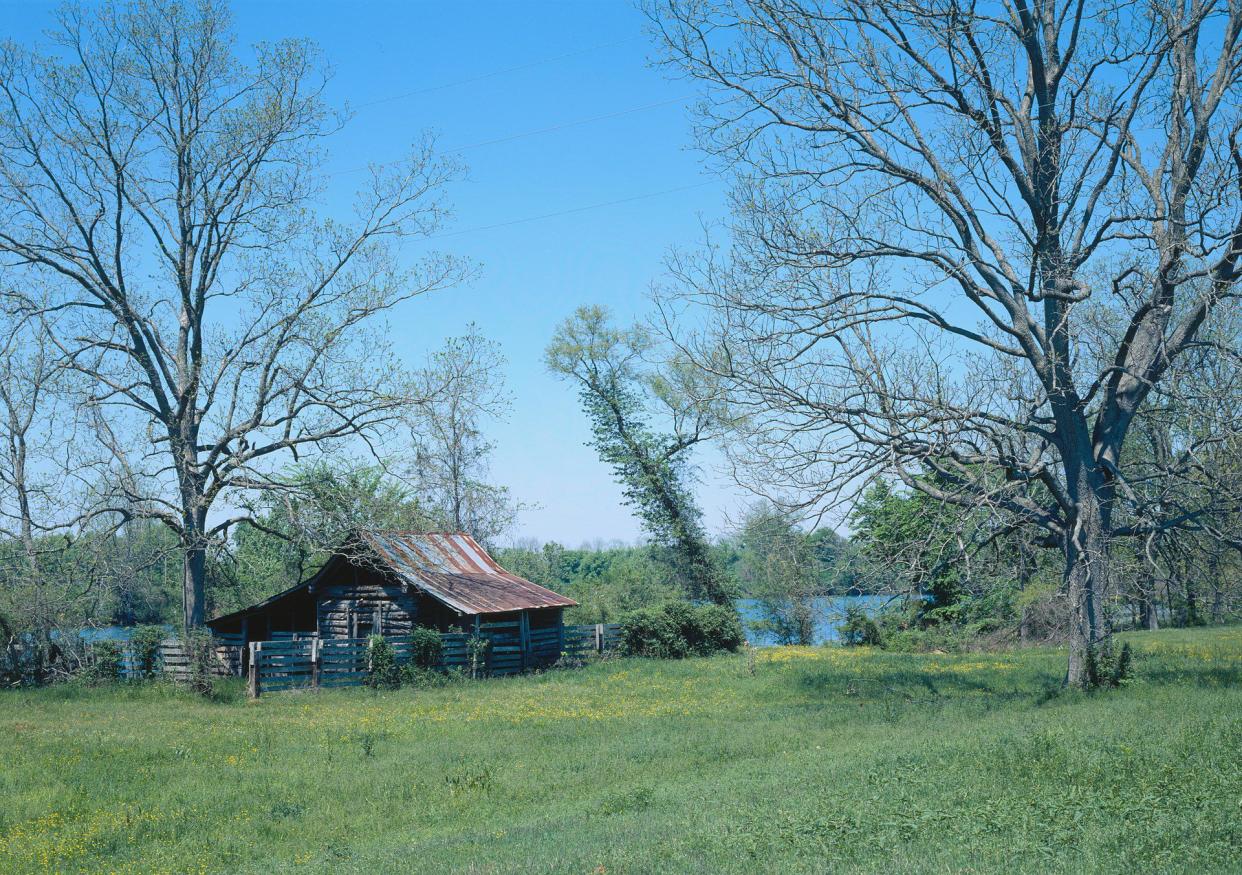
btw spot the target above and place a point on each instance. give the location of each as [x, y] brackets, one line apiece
[351, 603]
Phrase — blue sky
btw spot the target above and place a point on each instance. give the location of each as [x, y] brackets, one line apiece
[451, 69]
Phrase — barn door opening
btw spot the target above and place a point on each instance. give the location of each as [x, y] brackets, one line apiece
[364, 623]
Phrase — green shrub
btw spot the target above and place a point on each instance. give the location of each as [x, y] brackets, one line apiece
[200, 650]
[476, 654]
[107, 660]
[426, 647]
[721, 628]
[683, 620]
[383, 672]
[1104, 668]
[144, 649]
[429, 678]
[678, 629]
[858, 628]
[652, 632]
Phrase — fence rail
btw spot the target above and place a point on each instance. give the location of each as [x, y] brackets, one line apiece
[172, 659]
[303, 660]
[597, 638]
[312, 662]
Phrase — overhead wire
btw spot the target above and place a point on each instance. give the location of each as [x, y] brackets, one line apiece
[531, 133]
[572, 210]
[494, 73]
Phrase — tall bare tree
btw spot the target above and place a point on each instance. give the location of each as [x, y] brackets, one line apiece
[34, 492]
[463, 383]
[167, 189]
[935, 202]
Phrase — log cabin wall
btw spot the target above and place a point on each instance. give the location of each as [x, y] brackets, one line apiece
[357, 602]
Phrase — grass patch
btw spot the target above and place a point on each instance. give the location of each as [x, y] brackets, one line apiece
[825, 760]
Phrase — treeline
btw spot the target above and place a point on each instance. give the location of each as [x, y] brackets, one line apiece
[946, 591]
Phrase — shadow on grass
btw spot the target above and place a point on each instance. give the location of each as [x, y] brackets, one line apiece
[225, 691]
[917, 684]
[935, 686]
[1196, 675]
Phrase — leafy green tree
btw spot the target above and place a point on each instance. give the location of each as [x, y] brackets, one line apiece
[622, 393]
[632, 579]
[908, 542]
[606, 582]
[778, 566]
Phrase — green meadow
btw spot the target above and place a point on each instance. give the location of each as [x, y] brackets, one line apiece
[817, 760]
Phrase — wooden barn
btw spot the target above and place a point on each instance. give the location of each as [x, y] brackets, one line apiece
[386, 583]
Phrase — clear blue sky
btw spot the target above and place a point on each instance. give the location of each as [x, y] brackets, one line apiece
[576, 62]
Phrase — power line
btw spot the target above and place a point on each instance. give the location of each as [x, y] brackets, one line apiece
[493, 74]
[570, 124]
[624, 200]
[531, 133]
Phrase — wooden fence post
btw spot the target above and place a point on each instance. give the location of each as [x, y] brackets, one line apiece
[315, 663]
[524, 638]
[599, 637]
[256, 649]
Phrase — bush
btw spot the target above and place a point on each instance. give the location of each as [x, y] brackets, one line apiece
[429, 678]
[200, 650]
[859, 629]
[476, 654]
[678, 629]
[1104, 668]
[144, 648]
[652, 632]
[107, 660]
[721, 628]
[383, 672]
[426, 647]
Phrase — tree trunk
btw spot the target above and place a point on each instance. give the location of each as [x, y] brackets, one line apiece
[194, 563]
[1026, 571]
[1148, 614]
[1086, 578]
[1192, 602]
[195, 588]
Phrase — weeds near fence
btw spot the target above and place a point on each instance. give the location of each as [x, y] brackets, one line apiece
[476, 649]
[144, 649]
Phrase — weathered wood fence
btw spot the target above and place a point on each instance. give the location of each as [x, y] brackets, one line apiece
[173, 660]
[310, 662]
[597, 638]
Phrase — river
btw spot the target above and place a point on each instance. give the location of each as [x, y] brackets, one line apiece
[829, 614]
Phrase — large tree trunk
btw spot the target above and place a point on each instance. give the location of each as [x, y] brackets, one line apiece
[195, 586]
[194, 564]
[1086, 572]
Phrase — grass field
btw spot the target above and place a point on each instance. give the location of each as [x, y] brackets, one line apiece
[824, 760]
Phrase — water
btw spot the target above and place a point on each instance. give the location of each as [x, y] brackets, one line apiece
[111, 633]
[829, 614]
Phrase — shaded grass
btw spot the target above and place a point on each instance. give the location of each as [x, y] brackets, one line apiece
[826, 760]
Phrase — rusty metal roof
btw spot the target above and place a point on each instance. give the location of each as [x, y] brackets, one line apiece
[451, 567]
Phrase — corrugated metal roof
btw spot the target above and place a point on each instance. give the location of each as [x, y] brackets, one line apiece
[451, 567]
